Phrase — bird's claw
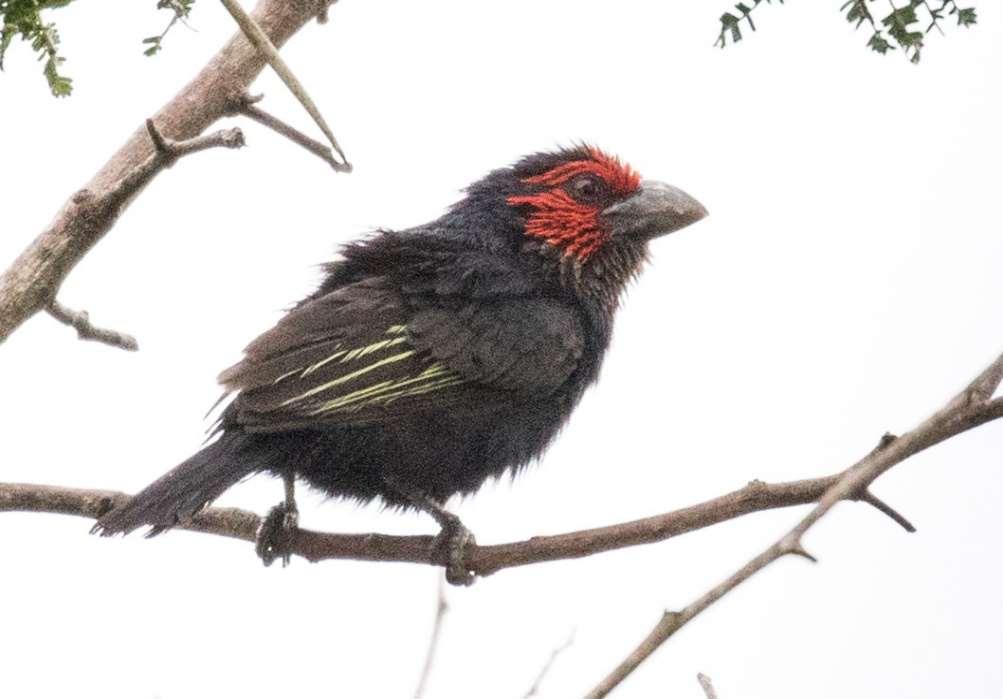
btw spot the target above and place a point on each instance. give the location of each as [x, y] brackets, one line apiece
[450, 544]
[276, 534]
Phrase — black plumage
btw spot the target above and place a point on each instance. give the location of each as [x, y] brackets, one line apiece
[433, 358]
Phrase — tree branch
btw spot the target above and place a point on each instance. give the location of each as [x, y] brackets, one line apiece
[259, 38]
[168, 150]
[973, 406]
[81, 321]
[441, 607]
[246, 105]
[706, 685]
[534, 689]
[33, 280]
[483, 560]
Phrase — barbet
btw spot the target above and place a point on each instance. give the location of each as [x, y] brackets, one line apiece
[433, 358]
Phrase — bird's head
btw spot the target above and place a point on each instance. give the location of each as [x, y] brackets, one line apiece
[579, 201]
[581, 207]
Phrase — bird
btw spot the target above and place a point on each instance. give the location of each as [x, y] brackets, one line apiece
[431, 359]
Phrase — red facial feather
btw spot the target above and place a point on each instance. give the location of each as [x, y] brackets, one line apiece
[619, 176]
[565, 223]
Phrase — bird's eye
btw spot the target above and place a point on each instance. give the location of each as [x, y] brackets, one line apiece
[586, 188]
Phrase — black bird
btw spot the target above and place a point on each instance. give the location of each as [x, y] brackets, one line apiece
[435, 357]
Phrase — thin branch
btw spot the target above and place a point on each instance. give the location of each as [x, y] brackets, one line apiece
[441, 607]
[934, 18]
[169, 150]
[246, 105]
[971, 407]
[706, 685]
[32, 282]
[89, 207]
[80, 321]
[547, 666]
[482, 559]
[975, 410]
[260, 39]
[880, 505]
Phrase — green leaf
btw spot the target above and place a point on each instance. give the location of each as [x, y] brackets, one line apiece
[966, 17]
[729, 23]
[879, 44]
[60, 85]
[857, 13]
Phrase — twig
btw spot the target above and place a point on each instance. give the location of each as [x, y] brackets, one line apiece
[90, 208]
[971, 407]
[32, 282]
[262, 43]
[169, 151]
[441, 607]
[707, 685]
[115, 198]
[545, 670]
[247, 105]
[882, 506]
[934, 18]
[80, 321]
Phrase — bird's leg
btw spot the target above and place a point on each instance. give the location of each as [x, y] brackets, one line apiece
[452, 538]
[278, 529]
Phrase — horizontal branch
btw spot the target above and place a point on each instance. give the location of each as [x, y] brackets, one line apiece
[483, 560]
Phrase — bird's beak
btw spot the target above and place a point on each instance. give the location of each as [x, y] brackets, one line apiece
[655, 209]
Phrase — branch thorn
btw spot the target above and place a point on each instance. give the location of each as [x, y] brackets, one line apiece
[883, 507]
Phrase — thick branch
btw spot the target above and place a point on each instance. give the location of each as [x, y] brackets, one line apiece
[972, 407]
[32, 281]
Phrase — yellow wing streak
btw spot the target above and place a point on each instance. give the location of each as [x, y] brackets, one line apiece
[348, 377]
[436, 376]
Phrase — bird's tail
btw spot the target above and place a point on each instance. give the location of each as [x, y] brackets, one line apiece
[182, 492]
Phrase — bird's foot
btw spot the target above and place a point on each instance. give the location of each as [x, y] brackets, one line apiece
[277, 533]
[450, 544]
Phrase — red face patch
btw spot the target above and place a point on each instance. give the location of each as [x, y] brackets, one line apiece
[567, 222]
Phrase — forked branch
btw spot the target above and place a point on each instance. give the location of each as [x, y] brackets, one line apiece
[972, 407]
[31, 284]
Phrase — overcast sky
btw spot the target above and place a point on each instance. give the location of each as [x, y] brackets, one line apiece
[847, 283]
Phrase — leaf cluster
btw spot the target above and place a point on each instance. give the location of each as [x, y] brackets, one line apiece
[181, 10]
[903, 27]
[23, 19]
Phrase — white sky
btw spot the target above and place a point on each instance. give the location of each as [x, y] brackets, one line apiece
[846, 283]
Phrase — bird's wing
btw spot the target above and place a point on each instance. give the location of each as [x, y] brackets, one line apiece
[528, 346]
[362, 355]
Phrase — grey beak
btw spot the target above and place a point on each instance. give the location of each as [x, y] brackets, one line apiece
[656, 209]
